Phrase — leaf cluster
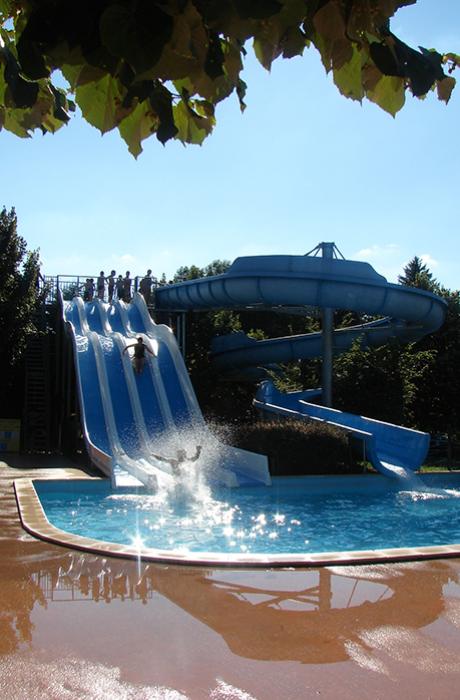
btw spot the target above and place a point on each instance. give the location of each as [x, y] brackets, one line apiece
[160, 67]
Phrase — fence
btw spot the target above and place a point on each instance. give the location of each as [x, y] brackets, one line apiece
[74, 285]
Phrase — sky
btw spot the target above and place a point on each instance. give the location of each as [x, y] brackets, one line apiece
[301, 165]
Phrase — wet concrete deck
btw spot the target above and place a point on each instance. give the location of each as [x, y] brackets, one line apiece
[80, 626]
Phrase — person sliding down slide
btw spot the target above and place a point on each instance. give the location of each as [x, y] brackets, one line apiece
[139, 354]
[180, 459]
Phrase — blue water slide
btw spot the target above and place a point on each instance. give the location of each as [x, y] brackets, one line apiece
[126, 417]
[285, 282]
[291, 284]
[391, 449]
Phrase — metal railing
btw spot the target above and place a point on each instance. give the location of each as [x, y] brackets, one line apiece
[74, 285]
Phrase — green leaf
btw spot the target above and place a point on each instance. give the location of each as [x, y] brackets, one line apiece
[214, 63]
[32, 61]
[257, 9]
[137, 126]
[388, 93]
[101, 103]
[3, 85]
[293, 42]
[161, 102]
[192, 127]
[12, 121]
[78, 74]
[444, 88]
[241, 92]
[330, 37]
[348, 77]
[6, 8]
[23, 92]
[137, 32]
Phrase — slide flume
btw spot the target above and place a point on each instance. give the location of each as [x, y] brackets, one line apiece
[126, 417]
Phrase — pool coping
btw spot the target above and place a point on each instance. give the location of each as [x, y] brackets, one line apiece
[34, 521]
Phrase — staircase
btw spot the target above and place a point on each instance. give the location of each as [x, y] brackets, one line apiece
[37, 404]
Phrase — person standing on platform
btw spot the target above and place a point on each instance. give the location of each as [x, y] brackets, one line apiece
[88, 289]
[127, 287]
[101, 285]
[111, 284]
[145, 287]
[120, 287]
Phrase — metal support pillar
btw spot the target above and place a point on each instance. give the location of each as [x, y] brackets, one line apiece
[327, 316]
[181, 331]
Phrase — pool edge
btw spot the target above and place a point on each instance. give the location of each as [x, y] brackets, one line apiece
[35, 522]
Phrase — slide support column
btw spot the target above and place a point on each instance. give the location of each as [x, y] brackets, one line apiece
[327, 317]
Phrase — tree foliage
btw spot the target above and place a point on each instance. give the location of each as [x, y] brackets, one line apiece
[161, 66]
[193, 272]
[417, 274]
[19, 269]
[418, 384]
[430, 370]
[19, 298]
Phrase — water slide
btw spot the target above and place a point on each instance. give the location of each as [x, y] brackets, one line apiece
[128, 417]
[295, 284]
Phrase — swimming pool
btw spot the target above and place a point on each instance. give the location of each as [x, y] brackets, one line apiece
[296, 520]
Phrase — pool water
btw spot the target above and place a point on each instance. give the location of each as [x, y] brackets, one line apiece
[288, 517]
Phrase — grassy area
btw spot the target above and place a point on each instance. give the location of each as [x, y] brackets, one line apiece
[441, 466]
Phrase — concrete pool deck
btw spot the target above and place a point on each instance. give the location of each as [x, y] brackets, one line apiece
[80, 625]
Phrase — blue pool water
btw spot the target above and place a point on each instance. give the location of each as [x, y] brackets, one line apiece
[294, 515]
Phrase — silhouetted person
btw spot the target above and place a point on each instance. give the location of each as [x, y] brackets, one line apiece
[145, 286]
[127, 287]
[101, 285]
[120, 286]
[111, 284]
[180, 459]
[88, 289]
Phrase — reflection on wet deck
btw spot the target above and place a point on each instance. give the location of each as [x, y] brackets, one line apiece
[75, 624]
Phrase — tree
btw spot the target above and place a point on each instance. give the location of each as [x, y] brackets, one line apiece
[368, 381]
[193, 272]
[418, 384]
[417, 274]
[19, 298]
[161, 66]
[432, 390]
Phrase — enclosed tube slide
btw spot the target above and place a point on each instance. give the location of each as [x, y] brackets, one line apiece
[128, 417]
[286, 282]
[292, 283]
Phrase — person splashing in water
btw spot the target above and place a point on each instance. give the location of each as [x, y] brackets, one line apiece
[180, 459]
[139, 354]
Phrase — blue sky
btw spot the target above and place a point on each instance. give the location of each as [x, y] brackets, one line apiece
[300, 166]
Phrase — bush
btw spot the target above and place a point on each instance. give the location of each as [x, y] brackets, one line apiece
[297, 447]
